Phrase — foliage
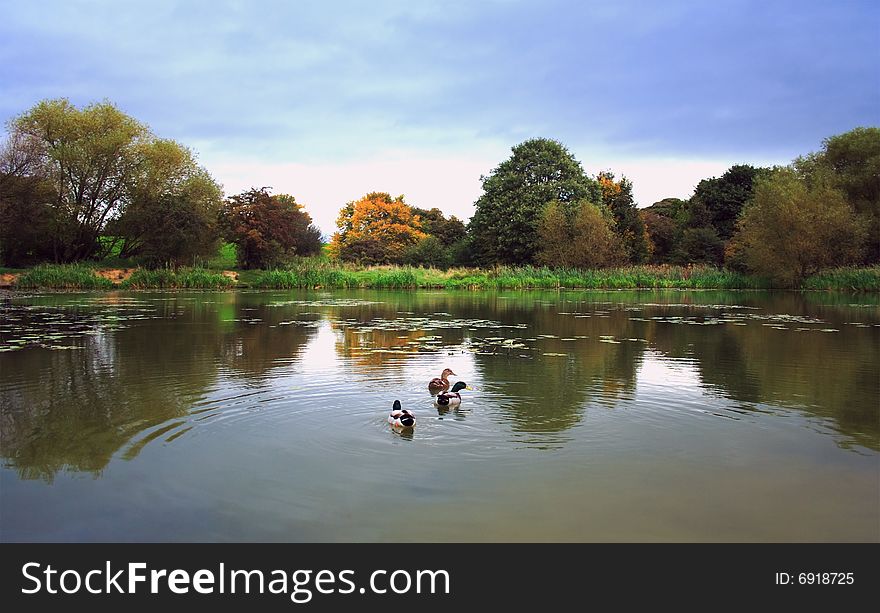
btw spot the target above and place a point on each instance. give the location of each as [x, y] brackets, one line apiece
[63, 276]
[724, 197]
[268, 229]
[26, 219]
[584, 239]
[181, 278]
[310, 274]
[429, 252]
[848, 279]
[700, 245]
[376, 229]
[617, 197]
[793, 229]
[172, 215]
[663, 232]
[505, 224]
[434, 223]
[91, 156]
[850, 162]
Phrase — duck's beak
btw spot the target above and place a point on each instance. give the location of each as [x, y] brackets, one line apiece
[468, 387]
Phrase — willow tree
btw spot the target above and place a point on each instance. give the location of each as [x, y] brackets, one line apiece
[91, 156]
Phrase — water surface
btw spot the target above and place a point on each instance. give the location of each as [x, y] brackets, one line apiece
[593, 416]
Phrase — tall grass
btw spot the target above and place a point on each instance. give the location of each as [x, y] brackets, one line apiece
[848, 278]
[182, 278]
[61, 276]
[324, 275]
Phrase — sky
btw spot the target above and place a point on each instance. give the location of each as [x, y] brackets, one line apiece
[329, 100]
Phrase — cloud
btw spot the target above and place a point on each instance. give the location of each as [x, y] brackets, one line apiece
[343, 84]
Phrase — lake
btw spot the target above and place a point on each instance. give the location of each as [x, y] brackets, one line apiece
[592, 416]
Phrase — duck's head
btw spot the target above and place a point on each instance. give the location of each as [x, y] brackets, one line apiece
[447, 372]
[458, 386]
[396, 406]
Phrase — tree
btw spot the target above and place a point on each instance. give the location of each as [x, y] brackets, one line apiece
[268, 229]
[431, 252]
[26, 213]
[663, 233]
[850, 162]
[505, 225]
[172, 215]
[434, 223]
[618, 198]
[91, 156]
[793, 229]
[724, 197]
[380, 226]
[582, 239]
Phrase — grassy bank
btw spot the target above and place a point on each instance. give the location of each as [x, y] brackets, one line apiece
[182, 278]
[61, 276]
[87, 277]
[319, 273]
[846, 279]
[313, 275]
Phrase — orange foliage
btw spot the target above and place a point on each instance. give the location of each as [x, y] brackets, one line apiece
[610, 188]
[377, 217]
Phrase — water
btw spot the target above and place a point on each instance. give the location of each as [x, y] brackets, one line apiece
[592, 416]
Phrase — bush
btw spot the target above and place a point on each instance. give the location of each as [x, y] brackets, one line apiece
[429, 252]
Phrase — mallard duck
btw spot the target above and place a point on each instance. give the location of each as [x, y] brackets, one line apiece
[441, 383]
[451, 398]
[400, 417]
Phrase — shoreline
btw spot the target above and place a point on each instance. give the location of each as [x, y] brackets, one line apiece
[326, 276]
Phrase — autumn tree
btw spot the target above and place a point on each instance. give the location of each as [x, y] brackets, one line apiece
[617, 197]
[793, 228]
[268, 229]
[504, 228]
[582, 238]
[376, 229]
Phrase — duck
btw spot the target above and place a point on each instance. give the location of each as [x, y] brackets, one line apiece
[400, 417]
[452, 398]
[441, 383]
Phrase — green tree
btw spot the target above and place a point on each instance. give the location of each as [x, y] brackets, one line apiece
[617, 197]
[443, 244]
[793, 229]
[268, 229]
[724, 197]
[505, 224]
[172, 215]
[851, 163]
[27, 216]
[91, 156]
[581, 239]
[663, 233]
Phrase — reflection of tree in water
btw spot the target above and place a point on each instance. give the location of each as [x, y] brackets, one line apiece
[74, 409]
[833, 375]
[548, 393]
[252, 350]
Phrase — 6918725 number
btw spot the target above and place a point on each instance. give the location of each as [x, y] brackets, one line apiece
[815, 578]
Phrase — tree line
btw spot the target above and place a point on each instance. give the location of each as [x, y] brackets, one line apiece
[80, 184]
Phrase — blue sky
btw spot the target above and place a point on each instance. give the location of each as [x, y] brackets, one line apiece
[328, 100]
